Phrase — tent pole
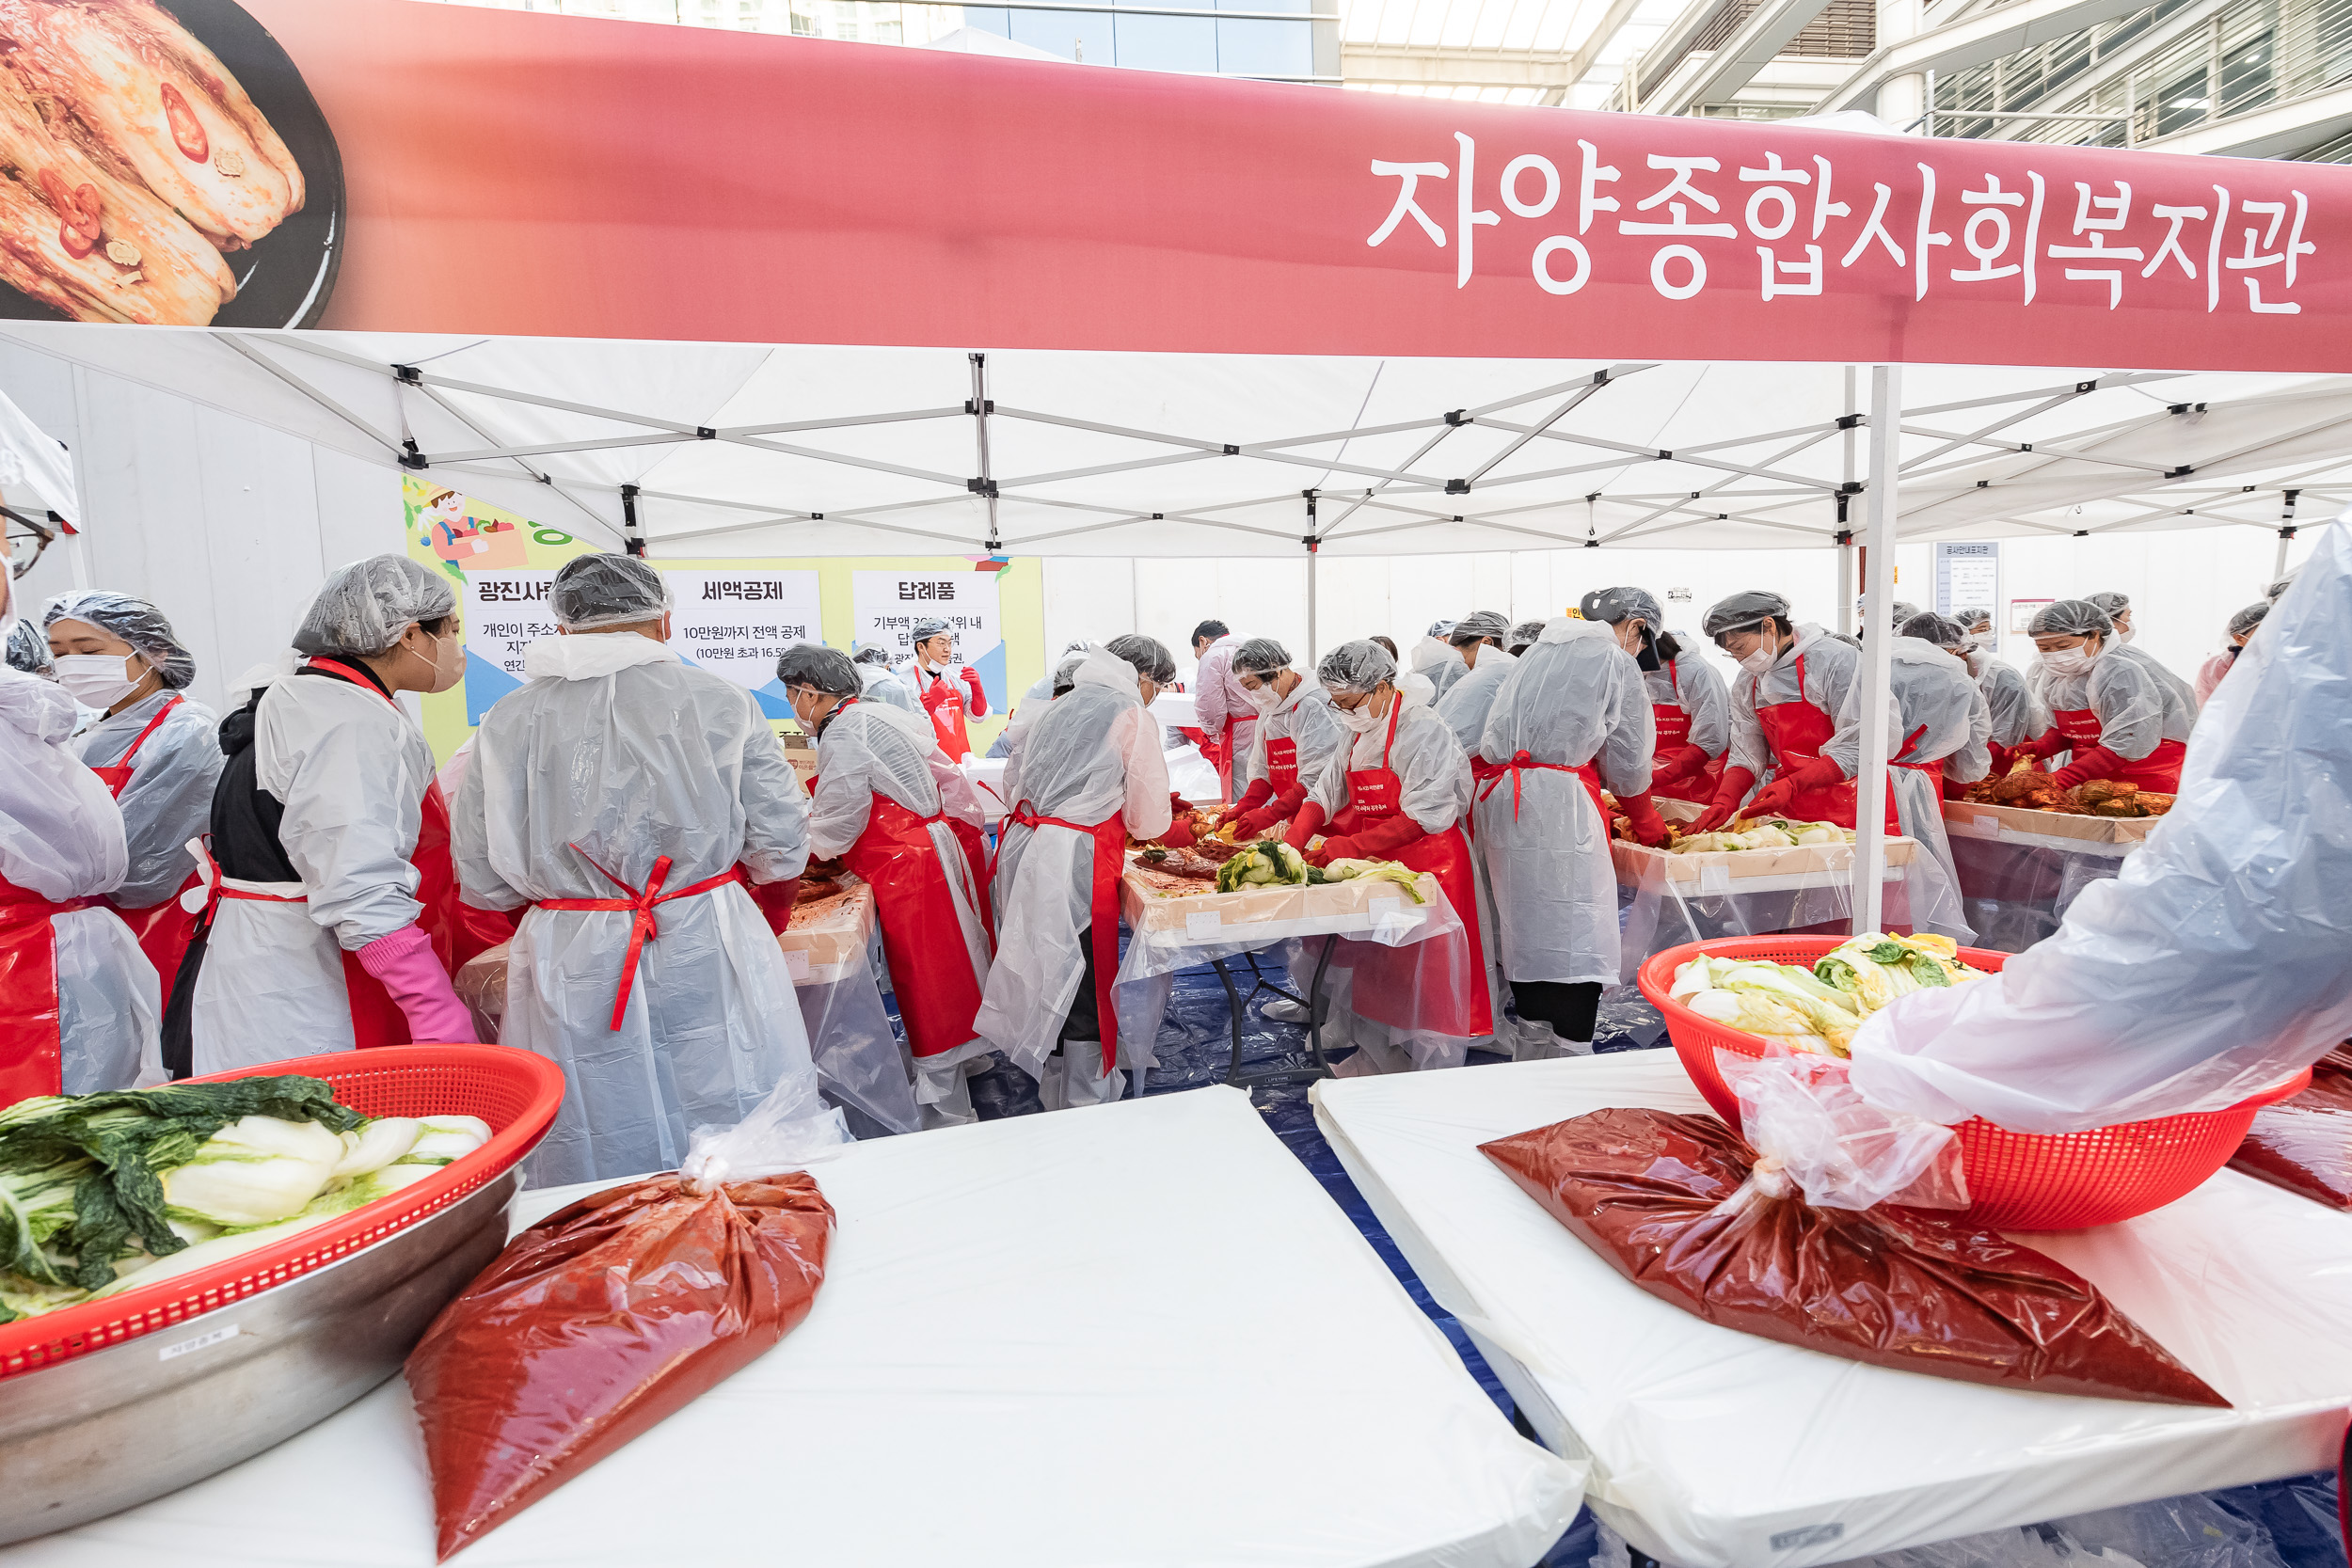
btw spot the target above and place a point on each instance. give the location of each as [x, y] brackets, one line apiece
[1878, 633]
[1845, 535]
[979, 408]
[2286, 535]
[1311, 542]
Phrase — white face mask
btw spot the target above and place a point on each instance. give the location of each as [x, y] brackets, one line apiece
[1264, 697]
[97, 680]
[2125, 633]
[2068, 662]
[447, 662]
[1761, 660]
[1359, 718]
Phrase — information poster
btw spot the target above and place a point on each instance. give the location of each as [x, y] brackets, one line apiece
[735, 624]
[889, 604]
[505, 613]
[1967, 576]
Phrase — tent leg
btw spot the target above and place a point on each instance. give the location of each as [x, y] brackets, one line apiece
[1878, 633]
[1311, 542]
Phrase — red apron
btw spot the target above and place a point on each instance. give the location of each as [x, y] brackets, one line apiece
[942, 700]
[976, 856]
[32, 1052]
[164, 929]
[375, 1017]
[1406, 987]
[641, 903]
[1110, 852]
[2159, 770]
[1281, 763]
[1491, 774]
[1673, 730]
[1797, 731]
[922, 937]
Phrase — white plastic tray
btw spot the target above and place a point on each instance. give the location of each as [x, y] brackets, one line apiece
[1138, 1334]
[1712, 1448]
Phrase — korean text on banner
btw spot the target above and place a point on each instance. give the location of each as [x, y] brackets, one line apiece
[505, 613]
[888, 605]
[737, 624]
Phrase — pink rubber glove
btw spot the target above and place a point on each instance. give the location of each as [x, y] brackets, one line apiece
[405, 965]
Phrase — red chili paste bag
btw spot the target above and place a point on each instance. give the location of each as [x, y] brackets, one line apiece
[1670, 1202]
[610, 1314]
[599, 1322]
[2305, 1144]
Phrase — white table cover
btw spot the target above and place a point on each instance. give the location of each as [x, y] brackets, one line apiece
[1135, 1334]
[1711, 1448]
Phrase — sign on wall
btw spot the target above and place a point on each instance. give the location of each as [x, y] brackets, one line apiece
[735, 624]
[1967, 575]
[890, 604]
[505, 613]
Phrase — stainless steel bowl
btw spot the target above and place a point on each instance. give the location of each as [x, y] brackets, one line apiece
[116, 1427]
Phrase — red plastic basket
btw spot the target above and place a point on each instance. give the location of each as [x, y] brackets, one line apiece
[2018, 1180]
[516, 1092]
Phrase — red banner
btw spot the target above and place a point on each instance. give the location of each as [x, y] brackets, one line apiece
[517, 173]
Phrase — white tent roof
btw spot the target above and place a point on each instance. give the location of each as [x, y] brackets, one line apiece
[847, 451]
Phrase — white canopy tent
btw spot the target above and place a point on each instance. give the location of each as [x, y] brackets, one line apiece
[678, 449]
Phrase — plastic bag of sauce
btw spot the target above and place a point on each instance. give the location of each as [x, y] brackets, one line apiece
[1648, 1190]
[598, 1321]
[2305, 1144]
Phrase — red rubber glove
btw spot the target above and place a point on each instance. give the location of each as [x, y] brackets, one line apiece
[1179, 834]
[977, 693]
[1303, 825]
[2097, 763]
[1775, 799]
[1258, 794]
[1382, 839]
[2049, 743]
[404, 964]
[1682, 762]
[935, 693]
[1736, 784]
[1341, 849]
[2001, 756]
[1647, 825]
[775, 901]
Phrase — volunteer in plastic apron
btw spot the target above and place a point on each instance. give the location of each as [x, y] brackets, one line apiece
[1388, 992]
[32, 1051]
[163, 930]
[375, 1017]
[941, 701]
[1673, 730]
[1110, 852]
[640, 906]
[1797, 731]
[2159, 770]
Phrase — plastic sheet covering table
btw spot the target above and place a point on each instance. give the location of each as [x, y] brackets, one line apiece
[1712, 1448]
[2020, 870]
[1138, 1335]
[1170, 933]
[860, 1063]
[1670, 899]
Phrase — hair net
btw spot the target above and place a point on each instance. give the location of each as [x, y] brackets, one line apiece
[1439, 628]
[1149, 654]
[365, 607]
[1066, 674]
[2243, 623]
[1942, 630]
[829, 669]
[136, 622]
[2281, 586]
[1613, 605]
[1478, 624]
[1357, 667]
[1970, 617]
[1260, 656]
[28, 650]
[924, 630]
[1743, 611]
[1900, 611]
[872, 655]
[594, 592]
[1524, 633]
[2113, 603]
[2069, 618]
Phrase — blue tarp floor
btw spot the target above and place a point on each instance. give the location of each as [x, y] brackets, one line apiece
[2285, 1524]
